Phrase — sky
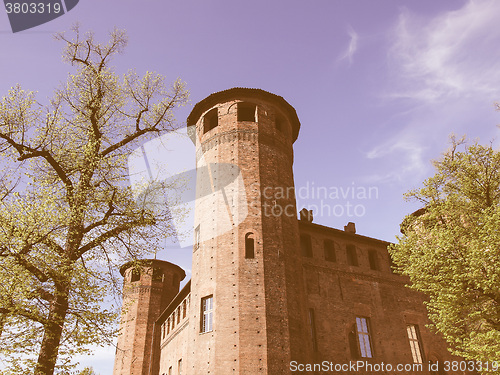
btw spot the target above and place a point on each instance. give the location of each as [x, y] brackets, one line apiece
[378, 86]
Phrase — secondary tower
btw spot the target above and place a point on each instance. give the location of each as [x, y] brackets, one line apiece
[148, 288]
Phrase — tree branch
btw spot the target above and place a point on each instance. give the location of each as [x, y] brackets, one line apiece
[104, 220]
[27, 152]
[112, 233]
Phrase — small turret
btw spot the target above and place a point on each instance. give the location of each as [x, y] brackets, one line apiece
[148, 287]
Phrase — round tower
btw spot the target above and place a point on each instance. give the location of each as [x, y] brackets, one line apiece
[246, 235]
[148, 287]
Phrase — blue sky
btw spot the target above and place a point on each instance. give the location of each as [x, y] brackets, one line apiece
[378, 85]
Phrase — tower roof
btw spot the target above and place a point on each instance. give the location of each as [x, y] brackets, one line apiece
[244, 93]
[152, 263]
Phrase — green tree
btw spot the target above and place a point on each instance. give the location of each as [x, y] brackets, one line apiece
[87, 371]
[450, 249]
[67, 213]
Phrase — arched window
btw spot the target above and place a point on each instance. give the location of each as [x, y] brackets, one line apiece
[279, 122]
[306, 245]
[157, 274]
[210, 120]
[135, 275]
[246, 112]
[249, 246]
[352, 258]
[329, 251]
[373, 260]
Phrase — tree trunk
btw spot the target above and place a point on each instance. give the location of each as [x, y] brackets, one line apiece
[52, 334]
[2, 322]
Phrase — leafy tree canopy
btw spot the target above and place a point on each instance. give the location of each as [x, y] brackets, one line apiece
[67, 213]
[450, 249]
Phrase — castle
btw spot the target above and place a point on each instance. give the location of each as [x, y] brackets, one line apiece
[270, 293]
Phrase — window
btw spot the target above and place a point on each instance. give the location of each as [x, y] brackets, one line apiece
[135, 275]
[170, 370]
[246, 112]
[373, 259]
[206, 314]
[352, 258]
[415, 344]
[329, 251]
[184, 308]
[363, 332]
[163, 331]
[197, 237]
[178, 315]
[173, 320]
[157, 274]
[353, 344]
[278, 121]
[211, 120]
[179, 367]
[168, 326]
[249, 246]
[306, 246]
[312, 326]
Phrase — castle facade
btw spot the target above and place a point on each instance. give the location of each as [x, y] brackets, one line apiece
[270, 293]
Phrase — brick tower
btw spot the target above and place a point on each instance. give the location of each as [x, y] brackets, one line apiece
[246, 236]
[148, 288]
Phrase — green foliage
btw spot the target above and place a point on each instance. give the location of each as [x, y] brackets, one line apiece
[67, 213]
[450, 249]
[87, 371]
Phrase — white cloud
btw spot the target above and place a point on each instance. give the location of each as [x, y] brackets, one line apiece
[352, 47]
[447, 67]
[453, 55]
[409, 153]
